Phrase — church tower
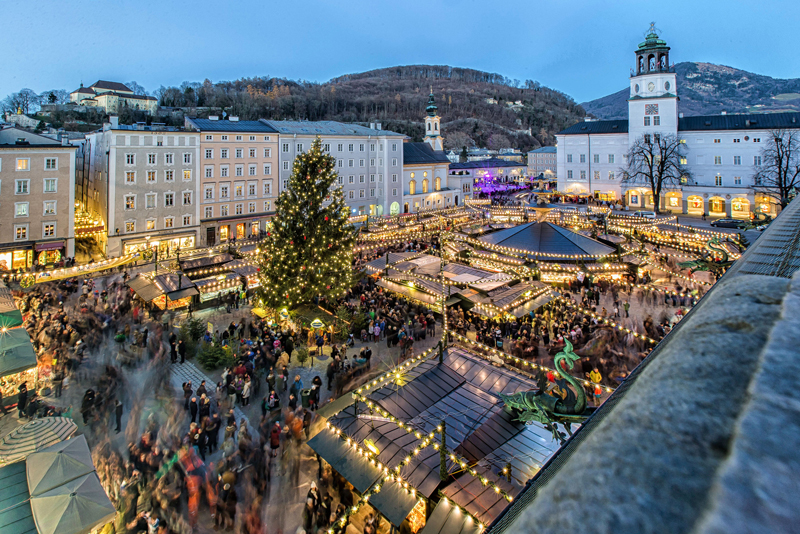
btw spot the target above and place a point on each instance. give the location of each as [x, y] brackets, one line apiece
[432, 133]
[653, 102]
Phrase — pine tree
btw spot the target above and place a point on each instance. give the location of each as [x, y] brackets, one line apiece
[309, 249]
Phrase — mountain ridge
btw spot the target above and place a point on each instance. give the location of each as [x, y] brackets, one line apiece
[709, 89]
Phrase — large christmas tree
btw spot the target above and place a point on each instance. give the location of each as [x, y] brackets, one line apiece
[309, 249]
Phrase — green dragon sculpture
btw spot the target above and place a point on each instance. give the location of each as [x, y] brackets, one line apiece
[548, 409]
[708, 261]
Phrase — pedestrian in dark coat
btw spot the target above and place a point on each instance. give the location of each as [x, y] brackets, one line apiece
[193, 409]
[182, 351]
[187, 394]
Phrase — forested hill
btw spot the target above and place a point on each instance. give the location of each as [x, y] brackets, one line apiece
[708, 89]
[476, 108]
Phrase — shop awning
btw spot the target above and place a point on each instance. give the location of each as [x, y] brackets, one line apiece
[448, 519]
[16, 516]
[53, 245]
[81, 270]
[394, 502]
[10, 316]
[144, 287]
[354, 468]
[16, 352]
[181, 293]
[532, 305]
[332, 408]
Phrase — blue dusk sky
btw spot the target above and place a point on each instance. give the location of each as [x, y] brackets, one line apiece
[583, 48]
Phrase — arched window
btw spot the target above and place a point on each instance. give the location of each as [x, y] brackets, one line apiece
[425, 185]
[651, 62]
[412, 187]
[436, 127]
[429, 127]
[425, 174]
[438, 184]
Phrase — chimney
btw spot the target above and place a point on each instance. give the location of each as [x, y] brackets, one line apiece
[234, 119]
[680, 115]
[114, 119]
[372, 126]
[64, 140]
[213, 117]
[723, 113]
[377, 126]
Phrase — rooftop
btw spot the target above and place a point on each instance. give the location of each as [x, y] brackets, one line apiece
[548, 240]
[12, 137]
[421, 153]
[485, 164]
[208, 125]
[326, 128]
[544, 150]
[111, 86]
[730, 121]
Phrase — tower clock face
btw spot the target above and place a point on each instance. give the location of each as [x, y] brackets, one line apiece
[651, 87]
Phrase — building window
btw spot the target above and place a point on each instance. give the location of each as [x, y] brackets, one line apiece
[130, 177]
[372, 192]
[351, 163]
[187, 175]
[209, 171]
[223, 191]
[238, 137]
[611, 158]
[717, 140]
[224, 137]
[209, 138]
[187, 198]
[656, 121]
[251, 189]
[169, 159]
[50, 185]
[50, 164]
[371, 162]
[394, 192]
[239, 209]
[683, 161]
[239, 153]
[267, 205]
[238, 191]
[169, 222]
[737, 160]
[437, 184]
[717, 160]
[394, 178]
[223, 211]
[597, 158]
[151, 177]
[223, 153]
[371, 177]
[252, 152]
[267, 169]
[569, 174]
[130, 202]
[351, 179]
[583, 175]
[362, 193]
[286, 147]
[756, 160]
[285, 165]
[267, 152]
[718, 180]
[209, 153]
[21, 209]
[361, 163]
[151, 159]
[169, 176]
[737, 180]
[361, 178]
[251, 207]
[756, 139]
[425, 185]
[251, 171]
[611, 175]
[209, 192]
[50, 207]
[150, 224]
[223, 171]
[647, 121]
[187, 220]
[187, 158]
[268, 188]
[49, 229]
[169, 200]
[20, 232]
[130, 159]
[209, 211]
[130, 226]
[596, 175]
[569, 158]
[150, 201]
[299, 148]
[412, 187]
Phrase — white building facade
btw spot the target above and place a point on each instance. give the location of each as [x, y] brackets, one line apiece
[722, 151]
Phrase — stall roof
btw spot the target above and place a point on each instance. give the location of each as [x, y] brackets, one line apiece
[168, 283]
[356, 469]
[207, 261]
[144, 287]
[532, 305]
[394, 502]
[242, 267]
[379, 264]
[548, 239]
[428, 299]
[448, 519]
[10, 315]
[16, 352]
[16, 516]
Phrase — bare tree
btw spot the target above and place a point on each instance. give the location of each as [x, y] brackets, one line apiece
[456, 140]
[26, 100]
[136, 88]
[56, 96]
[778, 175]
[656, 161]
[497, 141]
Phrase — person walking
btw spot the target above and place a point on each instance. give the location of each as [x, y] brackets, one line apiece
[187, 394]
[58, 384]
[182, 351]
[22, 399]
[246, 392]
[118, 414]
[626, 307]
[193, 409]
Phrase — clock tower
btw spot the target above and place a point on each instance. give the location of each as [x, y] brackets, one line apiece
[653, 102]
[432, 134]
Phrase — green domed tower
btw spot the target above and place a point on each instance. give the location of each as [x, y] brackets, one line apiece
[432, 132]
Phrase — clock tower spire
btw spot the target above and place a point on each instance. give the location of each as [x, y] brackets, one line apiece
[432, 132]
[653, 102]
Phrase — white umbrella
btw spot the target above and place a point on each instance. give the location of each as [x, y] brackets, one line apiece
[77, 507]
[35, 435]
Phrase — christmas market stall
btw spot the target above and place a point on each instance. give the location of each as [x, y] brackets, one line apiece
[17, 363]
[10, 316]
[177, 290]
[434, 427]
[205, 264]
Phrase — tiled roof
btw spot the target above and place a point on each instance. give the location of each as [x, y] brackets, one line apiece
[112, 86]
[750, 121]
[325, 128]
[9, 136]
[419, 153]
[596, 127]
[208, 125]
[84, 90]
[544, 150]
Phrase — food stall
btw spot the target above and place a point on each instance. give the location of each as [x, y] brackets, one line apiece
[17, 363]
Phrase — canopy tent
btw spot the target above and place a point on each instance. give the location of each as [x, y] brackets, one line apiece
[16, 516]
[10, 315]
[66, 460]
[66, 496]
[75, 507]
[16, 352]
[354, 468]
[34, 436]
[143, 286]
[175, 285]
